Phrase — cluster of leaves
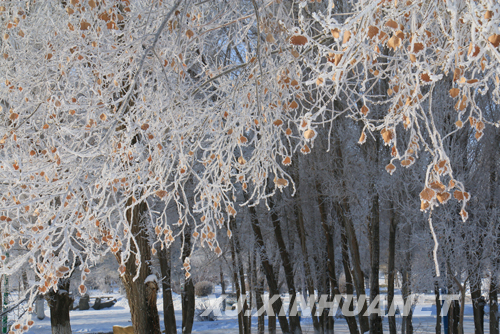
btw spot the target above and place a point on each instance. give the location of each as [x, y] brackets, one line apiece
[414, 45]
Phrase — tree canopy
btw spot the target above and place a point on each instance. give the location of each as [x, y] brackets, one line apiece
[106, 105]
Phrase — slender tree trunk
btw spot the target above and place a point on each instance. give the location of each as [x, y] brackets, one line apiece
[330, 251]
[243, 290]
[460, 327]
[351, 320]
[259, 292]
[359, 277]
[406, 273]
[241, 329]
[168, 305]
[477, 303]
[493, 296]
[188, 298]
[251, 289]
[307, 269]
[271, 324]
[287, 267]
[391, 267]
[375, 319]
[454, 305]
[269, 272]
[438, 308]
[59, 303]
[408, 324]
[141, 297]
[456, 317]
[235, 251]
[374, 233]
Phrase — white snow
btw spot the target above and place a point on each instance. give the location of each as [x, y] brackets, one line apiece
[102, 321]
[151, 278]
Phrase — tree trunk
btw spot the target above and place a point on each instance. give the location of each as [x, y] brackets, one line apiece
[375, 319]
[59, 303]
[406, 273]
[493, 296]
[460, 327]
[391, 267]
[477, 303]
[438, 308]
[269, 272]
[453, 312]
[287, 267]
[223, 288]
[259, 291]
[251, 289]
[330, 251]
[141, 297]
[351, 320]
[271, 323]
[456, 317]
[240, 270]
[188, 299]
[359, 277]
[168, 305]
[241, 320]
[307, 269]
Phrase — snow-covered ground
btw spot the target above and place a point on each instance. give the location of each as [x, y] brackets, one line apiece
[102, 321]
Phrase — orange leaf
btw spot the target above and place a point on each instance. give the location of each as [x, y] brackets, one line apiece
[387, 135]
[425, 77]
[443, 197]
[390, 168]
[495, 40]
[362, 138]
[392, 24]
[394, 42]
[231, 210]
[347, 37]
[436, 185]
[458, 195]
[335, 32]
[281, 182]
[84, 25]
[365, 110]
[309, 134]
[298, 40]
[427, 194]
[454, 92]
[161, 193]
[305, 149]
[372, 31]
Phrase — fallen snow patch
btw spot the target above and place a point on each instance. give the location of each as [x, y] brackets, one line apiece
[151, 278]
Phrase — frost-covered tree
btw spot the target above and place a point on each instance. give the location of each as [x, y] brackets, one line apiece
[108, 106]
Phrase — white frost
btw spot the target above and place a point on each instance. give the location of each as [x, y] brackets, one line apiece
[151, 278]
